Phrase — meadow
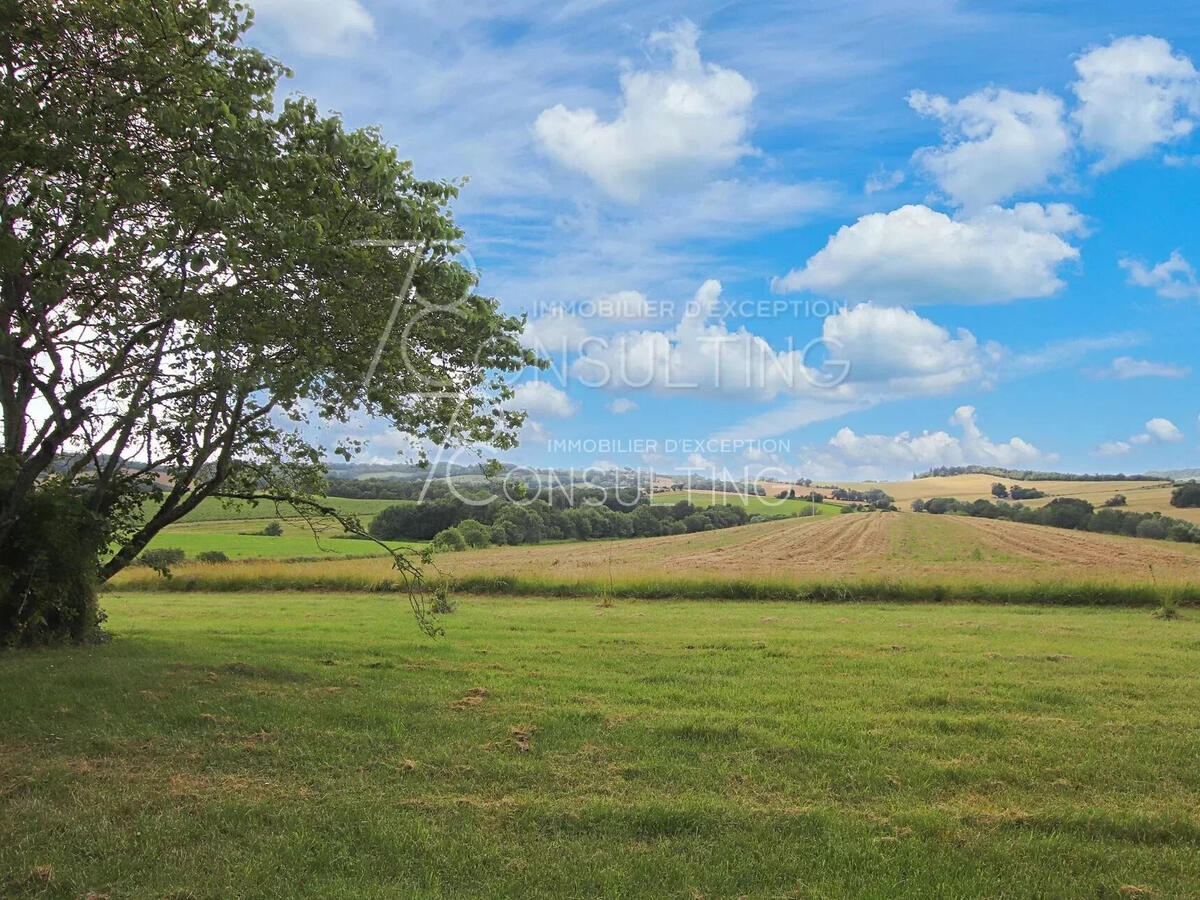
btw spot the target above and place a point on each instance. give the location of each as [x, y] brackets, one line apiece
[315, 745]
[755, 505]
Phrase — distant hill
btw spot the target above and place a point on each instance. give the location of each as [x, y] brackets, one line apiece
[1031, 475]
[1178, 474]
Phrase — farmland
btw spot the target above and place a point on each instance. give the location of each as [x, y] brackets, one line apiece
[768, 505]
[315, 745]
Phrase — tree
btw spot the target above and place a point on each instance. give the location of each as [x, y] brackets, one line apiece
[186, 276]
[999, 491]
[476, 534]
[1186, 495]
[918, 505]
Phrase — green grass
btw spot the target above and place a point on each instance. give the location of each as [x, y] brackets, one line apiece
[255, 546]
[755, 506]
[210, 510]
[309, 745]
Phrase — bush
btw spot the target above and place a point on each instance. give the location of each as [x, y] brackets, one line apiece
[449, 539]
[160, 559]
[272, 529]
[212, 556]
[918, 505]
[1155, 529]
[999, 491]
[1115, 500]
[476, 534]
[1186, 496]
[1016, 492]
[48, 570]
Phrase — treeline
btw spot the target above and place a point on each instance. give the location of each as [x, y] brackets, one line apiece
[871, 499]
[458, 527]
[1027, 474]
[1070, 512]
[559, 496]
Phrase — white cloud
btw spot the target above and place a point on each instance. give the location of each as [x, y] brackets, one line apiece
[879, 455]
[1125, 367]
[1158, 431]
[1133, 95]
[1173, 278]
[675, 124]
[1164, 430]
[1112, 448]
[864, 353]
[915, 255]
[540, 398]
[997, 143]
[883, 180]
[622, 405]
[317, 27]
[558, 331]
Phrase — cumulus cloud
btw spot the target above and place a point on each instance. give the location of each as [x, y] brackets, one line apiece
[676, 123]
[997, 143]
[1164, 430]
[879, 455]
[317, 27]
[1173, 278]
[864, 353]
[1126, 367]
[542, 399]
[621, 405]
[1158, 431]
[915, 255]
[1134, 94]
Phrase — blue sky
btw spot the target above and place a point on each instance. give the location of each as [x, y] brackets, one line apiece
[839, 240]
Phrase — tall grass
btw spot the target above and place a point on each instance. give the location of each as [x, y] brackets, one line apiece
[258, 577]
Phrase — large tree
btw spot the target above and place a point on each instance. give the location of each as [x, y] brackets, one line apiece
[188, 275]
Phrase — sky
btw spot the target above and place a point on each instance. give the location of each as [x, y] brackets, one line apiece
[834, 240]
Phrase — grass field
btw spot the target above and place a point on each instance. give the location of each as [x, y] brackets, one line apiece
[755, 506]
[314, 745]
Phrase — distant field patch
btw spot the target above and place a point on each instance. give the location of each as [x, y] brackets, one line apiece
[755, 505]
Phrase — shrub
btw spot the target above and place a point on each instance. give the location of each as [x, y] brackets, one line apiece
[160, 559]
[918, 505]
[999, 491]
[1115, 500]
[272, 529]
[1154, 529]
[1186, 495]
[449, 539]
[48, 570]
[212, 556]
[1016, 492]
[476, 534]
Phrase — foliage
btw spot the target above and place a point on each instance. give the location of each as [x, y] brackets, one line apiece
[48, 566]
[272, 529]
[1016, 492]
[212, 556]
[476, 534]
[160, 559]
[190, 273]
[1075, 513]
[1186, 495]
[450, 539]
[999, 491]
[1115, 500]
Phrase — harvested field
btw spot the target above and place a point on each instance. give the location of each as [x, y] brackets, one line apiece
[908, 547]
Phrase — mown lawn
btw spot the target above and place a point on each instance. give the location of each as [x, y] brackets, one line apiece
[308, 745]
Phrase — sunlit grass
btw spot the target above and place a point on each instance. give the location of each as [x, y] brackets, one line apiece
[315, 745]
